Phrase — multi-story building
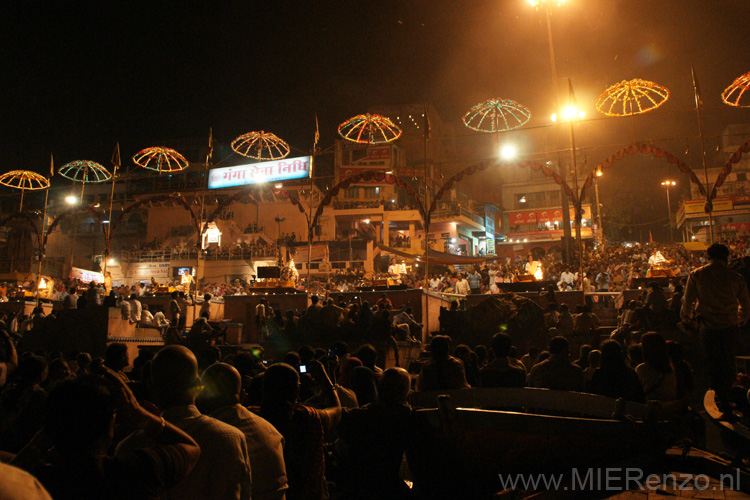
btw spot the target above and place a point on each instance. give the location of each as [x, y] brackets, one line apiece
[731, 207]
[532, 218]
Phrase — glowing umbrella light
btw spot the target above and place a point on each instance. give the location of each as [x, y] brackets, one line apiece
[497, 115]
[85, 172]
[632, 97]
[23, 180]
[160, 159]
[261, 146]
[369, 129]
[733, 94]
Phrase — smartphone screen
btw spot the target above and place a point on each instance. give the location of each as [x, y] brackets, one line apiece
[303, 368]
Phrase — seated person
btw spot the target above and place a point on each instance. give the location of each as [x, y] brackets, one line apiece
[557, 372]
[443, 371]
[502, 371]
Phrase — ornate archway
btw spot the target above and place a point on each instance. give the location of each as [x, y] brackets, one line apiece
[645, 149]
[153, 199]
[727, 169]
[370, 175]
[77, 210]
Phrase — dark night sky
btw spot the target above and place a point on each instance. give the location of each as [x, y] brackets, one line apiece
[78, 76]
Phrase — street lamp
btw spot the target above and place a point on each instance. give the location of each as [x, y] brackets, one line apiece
[570, 114]
[72, 200]
[547, 5]
[667, 184]
[508, 152]
[598, 174]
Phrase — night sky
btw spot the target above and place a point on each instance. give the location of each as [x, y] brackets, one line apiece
[79, 76]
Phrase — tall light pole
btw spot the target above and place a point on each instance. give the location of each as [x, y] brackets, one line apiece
[599, 206]
[73, 200]
[570, 114]
[547, 5]
[667, 184]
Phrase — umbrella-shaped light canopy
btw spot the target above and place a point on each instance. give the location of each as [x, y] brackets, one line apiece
[85, 171]
[631, 97]
[369, 129]
[160, 159]
[24, 179]
[261, 146]
[733, 95]
[497, 115]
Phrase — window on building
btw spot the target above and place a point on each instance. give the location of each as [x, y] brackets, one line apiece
[370, 193]
[352, 193]
[742, 176]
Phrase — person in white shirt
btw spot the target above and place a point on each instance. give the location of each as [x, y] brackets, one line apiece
[206, 306]
[462, 285]
[434, 282]
[146, 317]
[159, 319]
[124, 306]
[494, 288]
[135, 308]
[223, 470]
[265, 445]
[71, 300]
[567, 280]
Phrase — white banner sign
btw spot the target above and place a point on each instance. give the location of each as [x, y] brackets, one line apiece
[256, 173]
[86, 276]
[145, 270]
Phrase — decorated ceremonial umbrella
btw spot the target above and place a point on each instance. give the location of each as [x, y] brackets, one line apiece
[733, 94]
[369, 129]
[85, 172]
[160, 159]
[632, 97]
[261, 146]
[497, 115]
[23, 180]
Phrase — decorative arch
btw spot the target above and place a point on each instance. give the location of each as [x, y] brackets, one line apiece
[483, 165]
[735, 158]
[153, 199]
[77, 210]
[26, 217]
[645, 149]
[367, 176]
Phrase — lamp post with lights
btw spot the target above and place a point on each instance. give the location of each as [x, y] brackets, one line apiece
[73, 200]
[570, 114]
[547, 6]
[667, 184]
[599, 207]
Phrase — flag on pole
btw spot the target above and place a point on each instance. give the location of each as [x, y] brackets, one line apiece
[317, 130]
[210, 155]
[116, 161]
[51, 165]
[696, 88]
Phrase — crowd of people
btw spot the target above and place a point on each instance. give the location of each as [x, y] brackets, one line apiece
[316, 423]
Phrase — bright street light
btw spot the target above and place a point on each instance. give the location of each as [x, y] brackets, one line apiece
[539, 3]
[508, 152]
[278, 186]
[569, 113]
[668, 184]
[71, 200]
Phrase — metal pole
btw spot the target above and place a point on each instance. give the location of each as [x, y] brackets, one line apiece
[577, 201]
[599, 212]
[109, 224]
[703, 156]
[426, 315]
[669, 216]
[20, 209]
[41, 250]
[309, 220]
[563, 195]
